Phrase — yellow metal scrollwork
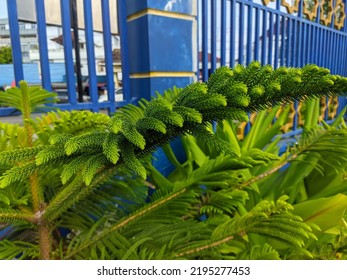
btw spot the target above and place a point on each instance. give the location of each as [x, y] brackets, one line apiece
[326, 11]
[311, 11]
[265, 2]
[311, 7]
[291, 8]
[339, 12]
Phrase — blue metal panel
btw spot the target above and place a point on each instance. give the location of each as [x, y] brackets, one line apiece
[184, 7]
[294, 43]
[289, 42]
[271, 35]
[283, 41]
[204, 12]
[232, 32]
[223, 31]
[105, 7]
[173, 45]
[264, 38]
[213, 36]
[204, 58]
[15, 40]
[241, 32]
[277, 38]
[257, 34]
[249, 35]
[69, 62]
[88, 22]
[123, 28]
[42, 38]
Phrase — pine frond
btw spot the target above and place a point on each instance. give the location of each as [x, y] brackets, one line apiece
[189, 114]
[73, 167]
[50, 153]
[224, 201]
[87, 140]
[11, 136]
[75, 122]
[19, 155]
[93, 166]
[27, 99]
[149, 123]
[110, 148]
[13, 216]
[61, 138]
[10, 250]
[132, 135]
[202, 133]
[131, 161]
[17, 173]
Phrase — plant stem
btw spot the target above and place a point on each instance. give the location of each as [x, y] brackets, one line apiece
[126, 221]
[268, 173]
[44, 241]
[197, 250]
[36, 191]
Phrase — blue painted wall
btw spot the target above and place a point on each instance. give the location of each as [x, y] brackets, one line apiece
[31, 73]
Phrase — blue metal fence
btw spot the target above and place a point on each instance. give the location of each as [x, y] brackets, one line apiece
[46, 78]
[273, 32]
[229, 32]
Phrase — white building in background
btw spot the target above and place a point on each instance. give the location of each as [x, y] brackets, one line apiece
[28, 33]
[30, 48]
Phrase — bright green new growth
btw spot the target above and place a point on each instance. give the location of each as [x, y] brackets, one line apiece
[229, 94]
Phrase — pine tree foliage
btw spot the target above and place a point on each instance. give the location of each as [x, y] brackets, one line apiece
[228, 93]
[89, 174]
[27, 99]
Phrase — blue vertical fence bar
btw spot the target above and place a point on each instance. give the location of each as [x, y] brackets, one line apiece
[15, 40]
[283, 41]
[42, 39]
[204, 54]
[271, 34]
[106, 25]
[232, 32]
[88, 24]
[264, 39]
[250, 28]
[256, 34]
[241, 32]
[213, 36]
[223, 32]
[123, 27]
[69, 62]
[277, 35]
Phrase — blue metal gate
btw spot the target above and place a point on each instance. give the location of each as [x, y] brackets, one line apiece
[275, 32]
[70, 77]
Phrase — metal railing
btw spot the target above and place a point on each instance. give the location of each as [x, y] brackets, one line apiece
[276, 33]
[69, 59]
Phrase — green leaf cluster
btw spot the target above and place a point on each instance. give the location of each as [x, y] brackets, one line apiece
[92, 174]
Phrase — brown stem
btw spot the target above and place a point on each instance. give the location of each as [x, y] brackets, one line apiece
[268, 173]
[38, 207]
[197, 250]
[44, 241]
[126, 221]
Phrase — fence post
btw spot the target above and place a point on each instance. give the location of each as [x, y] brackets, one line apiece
[162, 49]
[162, 45]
